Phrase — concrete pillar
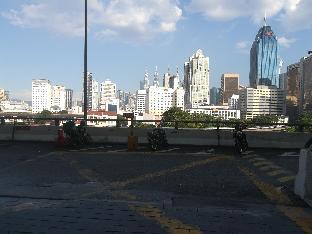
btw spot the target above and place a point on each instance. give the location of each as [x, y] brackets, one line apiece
[303, 183]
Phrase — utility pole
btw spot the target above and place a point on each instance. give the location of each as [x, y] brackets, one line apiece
[85, 80]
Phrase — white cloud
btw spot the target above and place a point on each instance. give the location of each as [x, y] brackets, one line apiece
[134, 19]
[298, 16]
[243, 47]
[293, 14]
[285, 42]
[242, 44]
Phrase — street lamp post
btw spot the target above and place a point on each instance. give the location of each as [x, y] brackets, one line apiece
[85, 92]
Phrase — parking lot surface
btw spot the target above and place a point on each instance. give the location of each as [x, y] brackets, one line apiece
[106, 189]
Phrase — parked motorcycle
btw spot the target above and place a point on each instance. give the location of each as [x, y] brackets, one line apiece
[157, 139]
[241, 144]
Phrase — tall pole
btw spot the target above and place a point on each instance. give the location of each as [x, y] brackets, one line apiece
[85, 91]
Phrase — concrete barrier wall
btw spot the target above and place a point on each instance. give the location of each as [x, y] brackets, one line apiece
[261, 139]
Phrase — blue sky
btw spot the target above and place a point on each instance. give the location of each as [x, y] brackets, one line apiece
[44, 38]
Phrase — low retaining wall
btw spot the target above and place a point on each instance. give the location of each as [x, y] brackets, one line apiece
[261, 139]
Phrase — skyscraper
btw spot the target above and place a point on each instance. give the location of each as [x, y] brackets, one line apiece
[145, 83]
[196, 80]
[229, 86]
[93, 92]
[69, 99]
[264, 64]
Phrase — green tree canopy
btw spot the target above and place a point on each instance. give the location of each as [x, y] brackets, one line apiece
[266, 119]
[42, 115]
[306, 119]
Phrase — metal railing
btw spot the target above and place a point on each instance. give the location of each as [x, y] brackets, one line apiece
[177, 124]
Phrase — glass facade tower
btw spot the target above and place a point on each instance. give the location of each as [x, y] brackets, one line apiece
[264, 59]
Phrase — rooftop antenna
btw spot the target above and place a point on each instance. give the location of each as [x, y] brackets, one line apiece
[265, 18]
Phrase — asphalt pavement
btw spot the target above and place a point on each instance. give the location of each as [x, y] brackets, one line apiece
[106, 189]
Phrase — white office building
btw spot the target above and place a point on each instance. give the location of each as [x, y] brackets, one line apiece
[95, 95]
[140, 101]
[58, 98]
[161, 99]
[14, 107]
[196, 80]
[178, 97]
[108, 91]
[264, 100]
[222, 112]
[41, 95]
[233, 102]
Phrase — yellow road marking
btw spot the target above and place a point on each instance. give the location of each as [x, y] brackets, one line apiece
[296, 214]
[286, 178]
[299, 216]
[171, 225]
[149, 176]
[267, 189]
[266, 168]
[277, 172]
[256, 159]
[249, 156]
[257, 164]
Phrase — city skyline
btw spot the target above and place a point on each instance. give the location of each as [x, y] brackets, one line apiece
[41, 50]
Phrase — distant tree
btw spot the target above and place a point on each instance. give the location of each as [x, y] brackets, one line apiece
[203, 119]
[306, 118]
[175, 114]
[42, 115]
[143, 125]
[265, 119]
[63, 112]
[121, 121]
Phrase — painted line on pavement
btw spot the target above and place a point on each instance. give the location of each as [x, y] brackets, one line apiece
[286, 178]
[257, 159]
[302, 218]
[296, 214]
[171, 225]
[262, 163]
[168, 150]
[269, 167]
[249, 156]
[277, 172]
[149, 176]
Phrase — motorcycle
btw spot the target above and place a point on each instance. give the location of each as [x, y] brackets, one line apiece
[241, 144]
[157, 139]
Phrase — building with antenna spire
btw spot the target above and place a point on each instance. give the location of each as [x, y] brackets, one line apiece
[156, 77]
[264, 64]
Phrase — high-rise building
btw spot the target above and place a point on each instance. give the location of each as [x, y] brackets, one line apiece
[69, 99]
[93, 93]
[108, 91]
[264, 64]
[161, 99]
[166, 79]
[264, 100]
[229, 86]
[41, 95]
[215, 96]
[196, 80]
[145, 83]
[178, 98]
[2, 96]
[233, 102]
[89, 91]
[297, 83]
[306, 81]
[140, 101]
[58, 98]
[156, 78]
